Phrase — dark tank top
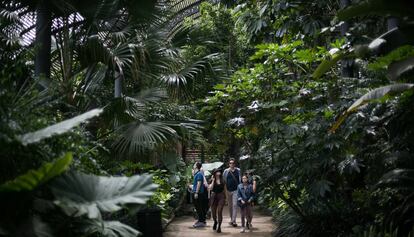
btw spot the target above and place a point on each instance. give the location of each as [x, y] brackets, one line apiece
[218, 188]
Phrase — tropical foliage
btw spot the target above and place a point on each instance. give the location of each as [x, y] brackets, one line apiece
[315, 96]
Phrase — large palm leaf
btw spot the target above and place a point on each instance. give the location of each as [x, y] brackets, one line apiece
[127, 109]
[403, 181]
[181, 75]
[34, 178]
[107, 228]
[394, 38]
[373, 95]
[137, 137]
[81, 194]
[58, 128]
[378, 7]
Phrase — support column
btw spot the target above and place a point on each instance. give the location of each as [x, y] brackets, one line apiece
[43, 40]
[347, 65]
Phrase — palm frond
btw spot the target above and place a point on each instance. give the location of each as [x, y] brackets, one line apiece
[378, 7]
[127, 109]
[136, 137]
[58, 128]
[181, 75]
[395, 70]
[372, 96]
[401, 179]
[114, 56]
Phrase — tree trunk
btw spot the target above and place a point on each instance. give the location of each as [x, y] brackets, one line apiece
[234, 149]
[118, 84]
[347, 65]
[43, 40]
[203, 156]
[345, 25]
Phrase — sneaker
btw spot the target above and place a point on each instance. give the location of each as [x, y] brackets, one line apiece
[195, 224]
[234, 224]
[247, 225]
[203, 224]
[243, 230]
[199, 224]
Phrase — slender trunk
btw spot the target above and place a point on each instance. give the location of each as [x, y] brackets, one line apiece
[183, 151]
[345, 25]
[347, 65]
[118, 84]
[234, 149]
[203, 157]
[43, 40]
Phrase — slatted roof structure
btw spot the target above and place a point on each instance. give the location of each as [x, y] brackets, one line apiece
[22, 23]
[184, 9]
[23, 20]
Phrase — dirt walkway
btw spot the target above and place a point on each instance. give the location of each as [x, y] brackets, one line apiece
[182, 227]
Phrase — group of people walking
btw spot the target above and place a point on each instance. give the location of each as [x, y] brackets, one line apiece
[231, 185]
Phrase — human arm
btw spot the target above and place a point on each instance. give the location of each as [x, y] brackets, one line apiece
[197, 189]
[225, 173]
[251, 198]
[211, 185]
[254, 185]
[199, 182]
[239, 194]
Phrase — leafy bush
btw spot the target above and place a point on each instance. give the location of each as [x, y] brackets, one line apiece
[49, 202]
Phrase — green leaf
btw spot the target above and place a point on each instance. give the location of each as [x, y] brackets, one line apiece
[383, 44]
[396, 69]
[219, 87]
[138, 136]
[170, 161]
[379, 93]
[108, 228]
[378, 7]
[394, 56]
[58, 128]
[35, 178]
[391, 40]
[3, 231]
[402, 179]
[388, 41]
[327, 64]
[31, 225]
[81, 194]
[372, 96]
[321, 187]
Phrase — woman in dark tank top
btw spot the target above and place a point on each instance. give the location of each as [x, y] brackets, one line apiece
[217, 199]
[218, 188]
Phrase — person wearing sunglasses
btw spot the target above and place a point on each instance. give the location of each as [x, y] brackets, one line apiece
[232, 178]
